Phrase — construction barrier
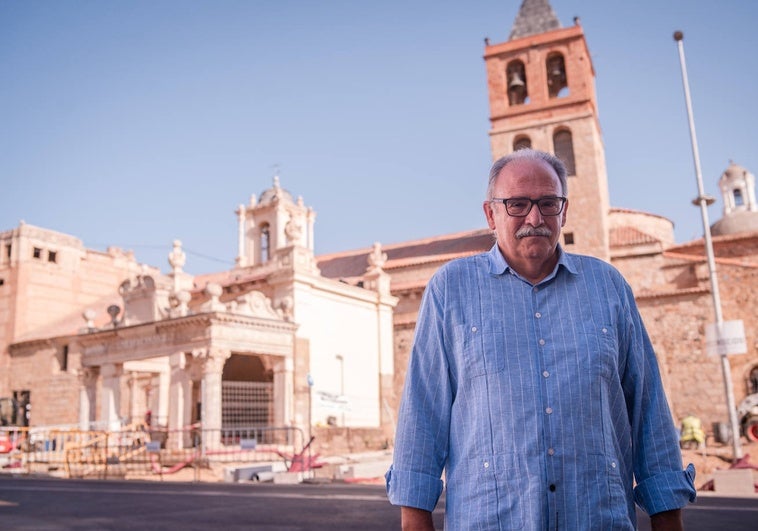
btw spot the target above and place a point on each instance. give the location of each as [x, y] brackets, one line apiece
[140, 451]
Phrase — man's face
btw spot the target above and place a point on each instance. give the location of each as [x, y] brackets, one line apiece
[526, 253]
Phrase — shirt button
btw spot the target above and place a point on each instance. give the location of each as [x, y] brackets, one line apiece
[535, 289]
[550, 451]
[613, 464]
[545, 374]
[486, 464]
[549, 410]
[552, 488]
[541, 341]
[538, 315]
[605, 330]
[473, 329]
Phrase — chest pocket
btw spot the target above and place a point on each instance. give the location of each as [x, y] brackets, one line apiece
[480, 347]
[599, 349]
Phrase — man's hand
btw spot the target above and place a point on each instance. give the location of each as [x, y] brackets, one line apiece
[413, 519]
[667, 521]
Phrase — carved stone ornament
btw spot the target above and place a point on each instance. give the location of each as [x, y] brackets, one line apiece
[293, 230]
[177, 258]
[214, 304]
[87, 376]
[209, 360]
[376, 259]
[255, 304]
[285, 306]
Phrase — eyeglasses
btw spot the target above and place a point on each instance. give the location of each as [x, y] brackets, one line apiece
[519, 207]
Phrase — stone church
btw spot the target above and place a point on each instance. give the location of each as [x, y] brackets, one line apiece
[288, 338]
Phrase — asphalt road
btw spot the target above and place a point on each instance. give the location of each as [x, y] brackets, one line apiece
[53, 505]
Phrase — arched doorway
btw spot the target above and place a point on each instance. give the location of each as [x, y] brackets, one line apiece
[247, 393]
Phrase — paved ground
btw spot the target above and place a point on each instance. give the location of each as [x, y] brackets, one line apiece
[62, 505]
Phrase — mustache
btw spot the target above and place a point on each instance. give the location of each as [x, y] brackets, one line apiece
[524, 232]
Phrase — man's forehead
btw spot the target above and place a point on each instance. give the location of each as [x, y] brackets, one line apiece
[526, 171]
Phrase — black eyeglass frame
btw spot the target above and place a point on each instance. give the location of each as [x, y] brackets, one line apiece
[532, 202]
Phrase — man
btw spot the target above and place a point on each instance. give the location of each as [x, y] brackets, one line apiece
[533, 384]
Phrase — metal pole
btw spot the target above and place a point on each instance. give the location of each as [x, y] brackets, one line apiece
[703, 201]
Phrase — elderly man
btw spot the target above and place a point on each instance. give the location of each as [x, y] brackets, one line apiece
[533, 384]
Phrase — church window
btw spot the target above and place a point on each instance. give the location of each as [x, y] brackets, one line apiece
[738, 200]
[557, 85]
[64, 358]
[37, 253]
[8, 249]
[2, 281]
[563, 145]
[265, 242]
[568, 238]
[522, 142]
[52, 256]
[518, 94]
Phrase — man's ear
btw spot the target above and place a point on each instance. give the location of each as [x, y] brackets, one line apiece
[563, 214]
[489, 214]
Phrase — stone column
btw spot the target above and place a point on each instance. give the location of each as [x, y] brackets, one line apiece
[283, 391]
[375, 278]
[110, 408]
[241, 262]
[133, 400]
[311, 220]
[213, 361]
[180, 397]
[164, 393]
[87, 396]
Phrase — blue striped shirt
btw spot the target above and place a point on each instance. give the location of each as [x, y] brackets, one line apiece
[542, 404]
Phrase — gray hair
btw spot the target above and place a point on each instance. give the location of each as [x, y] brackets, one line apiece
[527, 154]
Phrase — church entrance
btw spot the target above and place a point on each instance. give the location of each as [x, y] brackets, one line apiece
[247, 393]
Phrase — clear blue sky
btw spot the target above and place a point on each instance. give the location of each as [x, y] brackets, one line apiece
[132, 123]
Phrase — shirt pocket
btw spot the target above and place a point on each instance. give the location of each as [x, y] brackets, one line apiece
[481, 346]
[600, 478]
[489, 489]
[599, 351]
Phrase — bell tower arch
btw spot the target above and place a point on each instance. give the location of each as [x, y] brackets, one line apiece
[541, 86]
[274, 222]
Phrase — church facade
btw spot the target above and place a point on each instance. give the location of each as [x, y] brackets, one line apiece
[271, 342]
[95, 338]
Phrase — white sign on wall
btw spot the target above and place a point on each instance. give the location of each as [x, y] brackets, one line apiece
[727, 338]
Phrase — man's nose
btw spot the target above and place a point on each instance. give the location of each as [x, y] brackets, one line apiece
[534, 217]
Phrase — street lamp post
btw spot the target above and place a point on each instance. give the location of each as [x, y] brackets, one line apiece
[309, 379]
[342, 384]
[703, 201]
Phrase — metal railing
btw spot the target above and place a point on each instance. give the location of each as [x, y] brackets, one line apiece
[139, 451]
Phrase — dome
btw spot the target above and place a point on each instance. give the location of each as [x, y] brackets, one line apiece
[735, 222]
[737, 186]
[733, 172]
[274, 194]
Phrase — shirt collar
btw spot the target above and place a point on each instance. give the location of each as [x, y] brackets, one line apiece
[498, 266]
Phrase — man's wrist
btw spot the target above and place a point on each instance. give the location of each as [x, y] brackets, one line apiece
[413, 519]
[667, 521]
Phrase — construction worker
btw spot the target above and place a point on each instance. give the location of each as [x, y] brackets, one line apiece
[692, 431]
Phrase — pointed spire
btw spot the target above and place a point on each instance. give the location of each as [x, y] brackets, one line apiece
[534, 16]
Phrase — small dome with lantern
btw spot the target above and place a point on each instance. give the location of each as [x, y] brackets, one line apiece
[737, 186]
[275, 194]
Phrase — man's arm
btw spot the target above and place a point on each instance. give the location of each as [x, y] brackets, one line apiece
[413, 519]
[665, 521]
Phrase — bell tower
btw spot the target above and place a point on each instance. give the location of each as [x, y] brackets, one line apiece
[541, 86]
[272, 225]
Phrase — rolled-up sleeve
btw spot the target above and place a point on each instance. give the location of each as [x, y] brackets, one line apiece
[666, 491]
[413, 489]
[421, 440]
[661, 484]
